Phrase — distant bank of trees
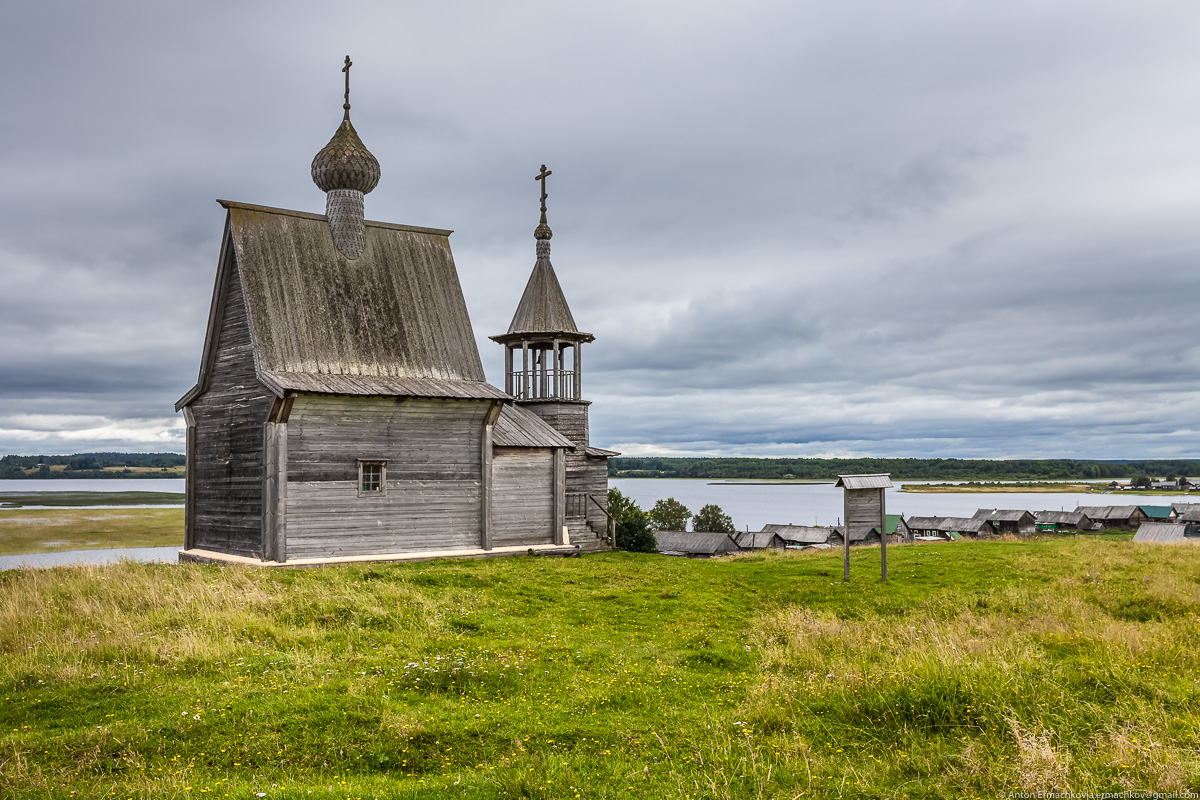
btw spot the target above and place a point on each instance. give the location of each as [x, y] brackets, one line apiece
[87, 465]
[951, 469]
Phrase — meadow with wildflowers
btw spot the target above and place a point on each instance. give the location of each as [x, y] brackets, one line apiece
[978, 668]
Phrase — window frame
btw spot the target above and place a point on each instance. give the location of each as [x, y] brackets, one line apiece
[367, 463]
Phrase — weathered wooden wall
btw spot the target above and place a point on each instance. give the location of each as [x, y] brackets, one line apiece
[226, 486]
[432, 500]
[522, 496]
[863, 510]
[584, 473]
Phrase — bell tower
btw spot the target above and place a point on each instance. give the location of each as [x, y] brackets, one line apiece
[542, 371]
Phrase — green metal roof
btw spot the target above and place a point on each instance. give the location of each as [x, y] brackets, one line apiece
[1156, 512]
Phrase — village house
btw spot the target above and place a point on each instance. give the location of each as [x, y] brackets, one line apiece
[1159, 513]
[802, 536]
[1016, 522]
[759, 540]
[694, 544]
[1063, 521]
[341, 409]
[1125, 517]
[950, 527]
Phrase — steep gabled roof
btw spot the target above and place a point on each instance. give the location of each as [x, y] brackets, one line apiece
[392, 322]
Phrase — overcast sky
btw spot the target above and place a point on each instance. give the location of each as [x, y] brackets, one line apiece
[958, 229]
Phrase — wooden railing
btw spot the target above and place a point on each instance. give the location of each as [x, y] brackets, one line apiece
[551, 384]
[577, 509]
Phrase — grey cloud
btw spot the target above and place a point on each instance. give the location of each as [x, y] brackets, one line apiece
[794, 229]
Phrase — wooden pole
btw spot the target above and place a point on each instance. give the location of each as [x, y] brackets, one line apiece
[845, 534]
[524, 369]
[508, 364]
[883, 531]
[578, 375]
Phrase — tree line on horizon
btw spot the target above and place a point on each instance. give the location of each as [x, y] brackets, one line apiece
[953, 469]
[84, 465]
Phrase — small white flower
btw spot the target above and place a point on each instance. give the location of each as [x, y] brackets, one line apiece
[197, 716]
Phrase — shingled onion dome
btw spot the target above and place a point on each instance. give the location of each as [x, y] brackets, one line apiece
[346, 171]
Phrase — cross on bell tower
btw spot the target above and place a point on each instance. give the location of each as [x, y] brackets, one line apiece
[542, 371]
[543, 331]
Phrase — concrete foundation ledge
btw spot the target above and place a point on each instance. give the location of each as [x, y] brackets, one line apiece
[197, 556]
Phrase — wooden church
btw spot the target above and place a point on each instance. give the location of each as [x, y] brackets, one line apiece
[341, 411]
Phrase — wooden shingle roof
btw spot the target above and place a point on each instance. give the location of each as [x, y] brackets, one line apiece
[876, 481]
[391, 322]
[518, 427]
[694, 543]
[1163, 532]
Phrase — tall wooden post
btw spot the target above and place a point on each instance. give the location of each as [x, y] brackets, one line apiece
[883, 533]
[508, 376]
[524, 370]
[846, 535]
[578, 374]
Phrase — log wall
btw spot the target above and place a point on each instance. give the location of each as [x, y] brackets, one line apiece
[432, 498]
[522, 496]
[226, 463]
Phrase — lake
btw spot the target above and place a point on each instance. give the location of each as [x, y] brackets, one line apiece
[93, 485]
[752, 506]
[168, 555]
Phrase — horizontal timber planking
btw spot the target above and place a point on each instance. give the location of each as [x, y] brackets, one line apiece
[432, 498]
[522, 496]
[229, 417]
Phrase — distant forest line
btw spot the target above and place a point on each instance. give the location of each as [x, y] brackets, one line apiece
[93, 465]
[953, 469]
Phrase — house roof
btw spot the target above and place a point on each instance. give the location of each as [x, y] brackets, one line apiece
[877, 481]
[756, 540]
[1190, 514]
[371, 385]
[1161, 532]
[322, 323]
[518, 427]
[598, 452]
[1002, 515]
[949, 524]
[1101, 513]
[892, 521]
[1062, 517]
[801, 534]
[694, 542]
[1157, 512]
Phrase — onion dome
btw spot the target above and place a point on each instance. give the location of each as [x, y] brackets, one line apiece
[345, 163]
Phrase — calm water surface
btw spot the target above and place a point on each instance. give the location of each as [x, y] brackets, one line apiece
[93, 485]
[821, 503]
[167, 555]
[751, 506]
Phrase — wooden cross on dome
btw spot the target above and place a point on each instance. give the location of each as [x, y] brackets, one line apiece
[346, 69]
[541, 176]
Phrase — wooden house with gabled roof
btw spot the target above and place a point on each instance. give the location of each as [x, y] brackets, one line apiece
[341, 409]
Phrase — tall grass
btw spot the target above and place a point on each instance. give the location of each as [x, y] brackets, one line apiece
[979, 668]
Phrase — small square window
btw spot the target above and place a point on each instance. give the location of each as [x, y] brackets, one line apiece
[372, 477]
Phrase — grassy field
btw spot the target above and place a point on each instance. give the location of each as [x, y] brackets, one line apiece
[979, 668]
[35, 530]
